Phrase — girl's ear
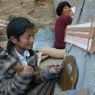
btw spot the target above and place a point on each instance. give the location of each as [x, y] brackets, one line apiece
[13, 39]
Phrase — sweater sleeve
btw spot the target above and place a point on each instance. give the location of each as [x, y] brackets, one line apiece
[67, 19]
[16, 86]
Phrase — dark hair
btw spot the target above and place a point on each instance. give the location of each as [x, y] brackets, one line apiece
[60, 7]
[16, 27]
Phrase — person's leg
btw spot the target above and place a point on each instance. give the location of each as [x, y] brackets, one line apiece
[53, 52]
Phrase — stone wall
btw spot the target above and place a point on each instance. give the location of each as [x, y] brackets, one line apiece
[39, 11]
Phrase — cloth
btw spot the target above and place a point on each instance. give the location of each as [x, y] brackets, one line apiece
[60, 28]
[43, 38]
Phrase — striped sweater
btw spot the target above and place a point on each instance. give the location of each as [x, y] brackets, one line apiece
[16, 83]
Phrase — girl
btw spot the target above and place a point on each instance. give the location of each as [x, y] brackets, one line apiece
[24, 73]
[63, 11]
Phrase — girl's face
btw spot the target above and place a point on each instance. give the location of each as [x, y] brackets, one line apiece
[25, 41]
[66, 10]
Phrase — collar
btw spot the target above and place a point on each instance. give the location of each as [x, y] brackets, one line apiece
[25, 54]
